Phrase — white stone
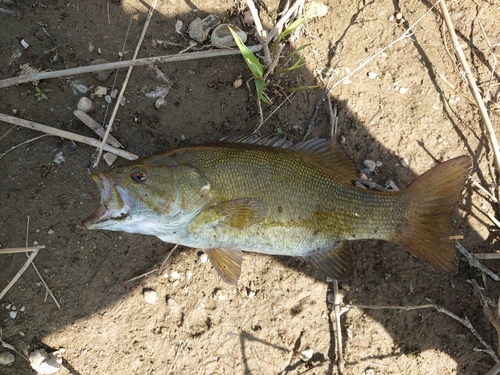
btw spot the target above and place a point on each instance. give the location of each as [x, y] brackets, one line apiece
[45, 363]
[203, 258]
[7, 358]
[150, 296]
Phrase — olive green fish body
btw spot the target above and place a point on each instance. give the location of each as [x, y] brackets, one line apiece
[266, 195]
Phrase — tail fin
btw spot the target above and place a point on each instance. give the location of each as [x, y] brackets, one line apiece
[427, 224]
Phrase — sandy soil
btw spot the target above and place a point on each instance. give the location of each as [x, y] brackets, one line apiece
[398, 106]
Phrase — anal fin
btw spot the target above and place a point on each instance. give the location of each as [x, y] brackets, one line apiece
[227, 263]
[336, 263]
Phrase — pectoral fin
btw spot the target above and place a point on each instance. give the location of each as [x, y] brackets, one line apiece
[227, 262]
[240, 213]
[336, 263]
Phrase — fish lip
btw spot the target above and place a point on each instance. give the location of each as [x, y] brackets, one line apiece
[115, 204]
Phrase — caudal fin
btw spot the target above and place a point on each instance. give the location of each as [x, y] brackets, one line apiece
[427, 225]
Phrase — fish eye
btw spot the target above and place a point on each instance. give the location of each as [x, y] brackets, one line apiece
[138, 176]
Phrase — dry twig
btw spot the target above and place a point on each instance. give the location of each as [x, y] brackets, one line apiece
[125, 82]
[473, 262]
[65, 134]
[14, 250]
[19, 273]
[122, 64]
[472, 84]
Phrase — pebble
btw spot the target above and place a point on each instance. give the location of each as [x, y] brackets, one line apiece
[403, 90]
[171, 303]
[222, 37]
[404, 162]
[203, 258]
[108, 99]
[199, 29]
[378, 163]
[306, 355]
[114, 93]
[150, 296]
[101, 75]
[59, 158]
[85, 104]
[100, 91]
[372, 75]
[109, 158]
[175, 275]
[45, 363]
[7, 358]
[13, 314]
[370, 164]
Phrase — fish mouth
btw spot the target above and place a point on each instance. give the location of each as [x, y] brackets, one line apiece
[115, 204]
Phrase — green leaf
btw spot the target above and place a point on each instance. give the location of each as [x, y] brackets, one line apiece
[290, 29]
[295, 51]
[251, 60]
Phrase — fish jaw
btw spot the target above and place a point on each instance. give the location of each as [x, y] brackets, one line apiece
[115, 207]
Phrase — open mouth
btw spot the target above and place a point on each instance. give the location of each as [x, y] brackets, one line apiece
[115, 204]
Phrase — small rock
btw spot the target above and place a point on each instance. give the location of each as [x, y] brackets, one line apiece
[316, 9]
[378, 163]
[328, 279]
[160, 103]
[250, 293]
[100, 91]
[85, 104]
[370, 164]
[404, 162]
[91, 47]
[150, 296]
[175, 275]
[222, 37]
[24, 44]
[109, 158]
[7, 358]
[114, 93]
[403, 90]
[306, 355]
[171, 303]
[45, 363]
[203, 258]
[199, 29]
[123, 101]
[178, 27]
[238, 82]
[108, 99]
[59, 158]
[101, 75]
[372, 75]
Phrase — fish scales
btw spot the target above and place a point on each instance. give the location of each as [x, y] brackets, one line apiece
[266, 195]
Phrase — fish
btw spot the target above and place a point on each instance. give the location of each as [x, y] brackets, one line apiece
[268, 195]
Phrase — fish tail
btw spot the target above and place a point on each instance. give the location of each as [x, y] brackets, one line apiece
[427, 224]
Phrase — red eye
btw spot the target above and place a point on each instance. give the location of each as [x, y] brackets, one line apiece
[138, 176]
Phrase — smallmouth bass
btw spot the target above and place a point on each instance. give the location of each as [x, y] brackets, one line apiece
[266, 195]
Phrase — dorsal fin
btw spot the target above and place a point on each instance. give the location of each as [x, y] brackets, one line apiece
[322, 151]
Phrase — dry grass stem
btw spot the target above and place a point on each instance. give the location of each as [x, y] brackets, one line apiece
[64, 134]
[492, 73]
[19, 273]
[279, 25]
[406, 34]
[22, 144]
[261, 33]
[21, 249]
[125, 82]
[473, 262]
[273, 112]
[472, 84]
[49, 292]
[123, 64]
[7, 132]
[96, 128]
[168, 256]
[487, 256]
[490, 196]
[494, 370]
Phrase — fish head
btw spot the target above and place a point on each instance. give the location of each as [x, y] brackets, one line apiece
[149, 196]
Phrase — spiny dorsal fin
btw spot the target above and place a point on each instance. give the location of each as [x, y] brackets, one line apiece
[227, 262]
[321, 151]
[330, 156]
[336, 263]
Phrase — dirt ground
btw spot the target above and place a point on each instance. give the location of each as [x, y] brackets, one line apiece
[410, 102]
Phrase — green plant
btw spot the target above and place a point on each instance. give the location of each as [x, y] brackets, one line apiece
[40, 94]
[254, 65]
